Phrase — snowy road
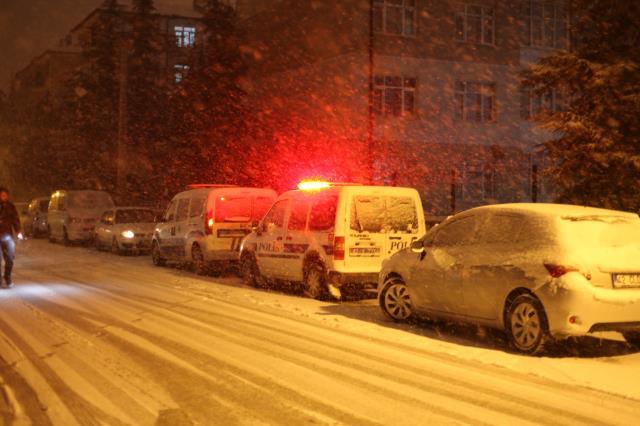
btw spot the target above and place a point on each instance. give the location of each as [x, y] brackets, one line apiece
[91, 338]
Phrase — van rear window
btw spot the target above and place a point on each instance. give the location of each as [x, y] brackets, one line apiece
[323, 213]
[89, 200]
[241, 209]
[380, 214]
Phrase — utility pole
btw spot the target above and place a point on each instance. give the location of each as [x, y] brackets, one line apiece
[123, 137]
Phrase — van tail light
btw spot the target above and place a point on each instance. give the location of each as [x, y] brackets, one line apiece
[556, 271]
[208, 224]
[338, 248]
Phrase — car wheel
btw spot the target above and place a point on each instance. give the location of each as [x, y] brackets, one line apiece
[632, 338]
[156, 256]
[315, 281]
[65, 237]
[200, 266]
[395, 300]
[250, 272]
[115, 247]
[526, 325]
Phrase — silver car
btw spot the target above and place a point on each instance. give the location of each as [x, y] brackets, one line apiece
[536, 271]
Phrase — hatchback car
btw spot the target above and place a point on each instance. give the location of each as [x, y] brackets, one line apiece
[36, 224]
[536, 271]
[125, 230]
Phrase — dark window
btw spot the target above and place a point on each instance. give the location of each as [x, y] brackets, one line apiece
[298, 216]
[394, 95]
[396, 17]
[183, 209]
[475, 101]
[196, 207]
[170, 213]
[275, 217]
[135, 216]
[458, 232]
[323, 213]
[475, 24]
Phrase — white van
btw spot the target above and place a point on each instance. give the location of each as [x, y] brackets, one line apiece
[328, 235]
[205, 224]
[73, 215]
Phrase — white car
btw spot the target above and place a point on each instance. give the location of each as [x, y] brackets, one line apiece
[536, 271]
[36, 224]
[73, 215]
[23, 214]
[205, 224]
[330, 235]
[126, 230]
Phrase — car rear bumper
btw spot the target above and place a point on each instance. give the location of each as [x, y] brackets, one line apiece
[575, 307]
[359, 279]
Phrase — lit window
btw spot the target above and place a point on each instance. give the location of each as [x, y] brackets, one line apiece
[180, 71]
[185, 36]
[394, 17]
[394, 95]
[546, 24]
[475, 101]
[475, 24]
[532, 104]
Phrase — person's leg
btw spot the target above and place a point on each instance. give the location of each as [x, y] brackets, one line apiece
[9, 255]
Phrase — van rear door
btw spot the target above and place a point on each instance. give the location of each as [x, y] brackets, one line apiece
[380, 224]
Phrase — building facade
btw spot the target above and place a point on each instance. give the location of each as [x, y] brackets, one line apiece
[432, 87]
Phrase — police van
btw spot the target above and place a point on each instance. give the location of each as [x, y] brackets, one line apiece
[205, 224]
[330, 235]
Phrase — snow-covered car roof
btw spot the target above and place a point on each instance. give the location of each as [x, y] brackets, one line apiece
[556, 210]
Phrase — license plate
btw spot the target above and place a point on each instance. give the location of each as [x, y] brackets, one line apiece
[364, 251]
[626, 280]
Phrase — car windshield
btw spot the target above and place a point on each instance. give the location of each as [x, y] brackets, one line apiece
[241, 209]
[89, 200]
[381, 214]
[43, 206]
[600, 231]
[135, 216]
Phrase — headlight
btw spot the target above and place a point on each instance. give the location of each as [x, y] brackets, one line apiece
[128, 234]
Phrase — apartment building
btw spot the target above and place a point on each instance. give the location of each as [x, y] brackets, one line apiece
[428, 90]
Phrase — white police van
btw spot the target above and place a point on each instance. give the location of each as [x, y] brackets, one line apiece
[330, 235]
[205, 225]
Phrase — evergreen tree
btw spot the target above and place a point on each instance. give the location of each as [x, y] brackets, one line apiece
[210, 102]
[596, 152]
[146, 97]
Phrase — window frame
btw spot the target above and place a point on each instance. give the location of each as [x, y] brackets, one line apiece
[530, 24]
[410, 6]
[461, 112]
[465, 14]
[185, 35]
[408, 85]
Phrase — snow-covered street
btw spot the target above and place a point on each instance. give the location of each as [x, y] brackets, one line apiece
[92, 338]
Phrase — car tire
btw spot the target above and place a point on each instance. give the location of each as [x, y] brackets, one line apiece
[526, 325]
[156, 256]
[250, 272]
[315, 281]
[65, 237]
[115, 247]
[632, 338]
[198, 263]
[395, 300]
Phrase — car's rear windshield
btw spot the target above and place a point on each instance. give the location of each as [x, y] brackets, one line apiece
[241, 209]
[89, 200]
[381, 214]
[135, 216]
[600, 231]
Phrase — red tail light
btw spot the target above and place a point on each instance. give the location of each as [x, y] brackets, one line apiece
[556, 271]
[338, 248]
[208, 223]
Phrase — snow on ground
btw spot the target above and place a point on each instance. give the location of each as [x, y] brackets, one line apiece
[88, 337]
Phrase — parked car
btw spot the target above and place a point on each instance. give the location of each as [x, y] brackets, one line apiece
[36, 222]
[536, 271]
[73, 215]
[125, 230]
[205, 224]
[23, 213]
[330, 235]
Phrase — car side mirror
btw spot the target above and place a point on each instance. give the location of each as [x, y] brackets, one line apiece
[417, 246]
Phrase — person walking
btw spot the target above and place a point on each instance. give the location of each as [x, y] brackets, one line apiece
[9, 224]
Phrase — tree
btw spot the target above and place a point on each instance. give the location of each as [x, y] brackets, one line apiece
[210, 107]
[595, 152]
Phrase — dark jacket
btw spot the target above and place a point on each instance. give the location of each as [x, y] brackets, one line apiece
[9, 218]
